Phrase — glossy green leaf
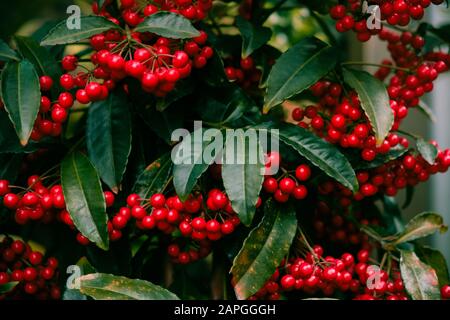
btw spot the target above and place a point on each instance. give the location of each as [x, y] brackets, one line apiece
[154, 178]
[189, 160]
[263, 250]
[428, 151]
[253, 37]
[102, 286]
[9, 142]
[227, 106]
[21, 95]
[182, 89]
[426, 111]
[89, 26]
[435, 259]
[163, 123]
[40, 57]
[6, 53]
[84, 198]
[108, 138]
[320, 153]
[297, 69]
[421, 226]
[420, 280]
[243, 172]
[374, 101]
[8, 287]
[169, 25]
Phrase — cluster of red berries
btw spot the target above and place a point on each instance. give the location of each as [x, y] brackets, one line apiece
[39, 203]
[327, 275]
[36, 276]
[341, 120]
[157, 62]
[394, 12]
[51, 114]
[389, 178]
[333, 225]
[199, 223]
[133, 13]
[286, 186]
[244, 73]
[416, 74]
[185, 252]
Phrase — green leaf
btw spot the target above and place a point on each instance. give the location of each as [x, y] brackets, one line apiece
[169, 25]
[426, 111]
[428, 151]
[253, 37]
[435, 259]
[90, 25]
[183, 89]
[243, 172]
[101, 286]
[163, 123]
[40, 57]
[227, 106]
[21, 95]
[263, 250]
[9, 166]
[84, 198]
[421, 226]
[297, 69]
[6, 53]
[8, 287]
[320, 153]
[108, 138]
[374, 101]
[420, 280]
[9, 142]
[189, 160]
[409, 196]
[154, 178]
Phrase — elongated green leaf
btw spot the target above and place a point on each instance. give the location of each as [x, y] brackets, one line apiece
[426, 111]
[169, 25]
[84, 198]
[190, 162]
[163, 123]
[243, 172]
[428, 151]
[108, 138]
[297, 69]
[40, 57]
[101, 286]
[420, 280]
[21, 95]
[321, 153]
[228, 106]
[154, 177]
[421, 226]
[9, 142]
[263, 250]
[89, 26]
[6, 53]
[253, 37]
[374, 101]
[8, 287]
[435, 259]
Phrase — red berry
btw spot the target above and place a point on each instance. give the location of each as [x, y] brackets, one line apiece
[303, 172]
[46, 83]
